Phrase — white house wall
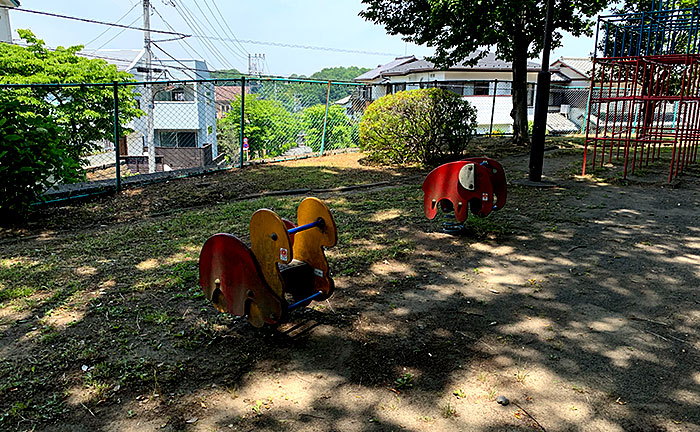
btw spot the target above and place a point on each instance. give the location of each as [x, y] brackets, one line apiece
[502, 106]
[5, 28]
[458, 76]
[206, 133]
[198, 115]
[175, 115]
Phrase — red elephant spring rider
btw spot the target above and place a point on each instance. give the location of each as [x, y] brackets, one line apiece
[476, 184]
[285, 264]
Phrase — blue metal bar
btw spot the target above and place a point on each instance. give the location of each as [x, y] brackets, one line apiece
[300, 302]
[317, 222]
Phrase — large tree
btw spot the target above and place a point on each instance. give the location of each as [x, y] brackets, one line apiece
[49, 128]
[458, 28]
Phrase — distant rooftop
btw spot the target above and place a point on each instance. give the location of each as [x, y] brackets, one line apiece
[377, 72]
[121, 58]
[488, 63]
[410, 64]
[582, 65]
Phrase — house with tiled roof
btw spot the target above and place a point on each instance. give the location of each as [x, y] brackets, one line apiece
[486, 84]
[572, 71]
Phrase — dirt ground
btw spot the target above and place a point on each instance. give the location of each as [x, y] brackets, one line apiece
[578, 303]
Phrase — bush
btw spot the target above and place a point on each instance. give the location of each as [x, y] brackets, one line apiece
[425, 126]
[32, 156]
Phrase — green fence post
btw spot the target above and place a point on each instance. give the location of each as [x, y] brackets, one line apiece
[325, 118]
[242, 118]
[116, 137]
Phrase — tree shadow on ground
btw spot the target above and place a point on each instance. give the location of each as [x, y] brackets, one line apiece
[582, 310]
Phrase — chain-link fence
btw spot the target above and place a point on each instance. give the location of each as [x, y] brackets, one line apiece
[176, 128]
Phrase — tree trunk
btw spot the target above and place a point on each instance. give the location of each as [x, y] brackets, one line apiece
[519, 112]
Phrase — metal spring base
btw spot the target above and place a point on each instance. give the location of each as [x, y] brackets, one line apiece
[452, 227]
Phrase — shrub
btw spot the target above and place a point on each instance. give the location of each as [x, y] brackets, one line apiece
[424, 126]
[32, 156]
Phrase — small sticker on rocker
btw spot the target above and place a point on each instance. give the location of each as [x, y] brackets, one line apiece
[284, 254]
[318, 272]
[484, 196]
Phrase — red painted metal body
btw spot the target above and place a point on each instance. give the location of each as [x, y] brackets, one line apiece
[226, 259]
[443, 186]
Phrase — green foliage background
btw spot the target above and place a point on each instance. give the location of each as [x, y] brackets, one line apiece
[77, 117]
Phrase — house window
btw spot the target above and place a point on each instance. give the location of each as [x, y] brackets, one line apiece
[481, 88]
[530, 95]
[178, 94]
[169, 93]
[366, 93]
[399, 87]
[178, 139]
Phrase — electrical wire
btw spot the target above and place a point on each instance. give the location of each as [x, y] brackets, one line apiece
[183, 43]
[240, 47]
[227, 26]
[308, 47]
[94, 21]
[167, 24]
[109, 28]
[237, 51]
[191, 21]
[118, 33]
[209, 47]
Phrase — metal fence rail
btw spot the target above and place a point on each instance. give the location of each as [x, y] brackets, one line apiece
[191, 126]
[121, 136]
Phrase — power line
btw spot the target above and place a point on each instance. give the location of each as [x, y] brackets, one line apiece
[211, 26]
[109, 28]
[93, 21]
[240, 47]
[118, 33]
[309, 47]
[191, 21]
[229, 27]
[167, 24]
[178, 61]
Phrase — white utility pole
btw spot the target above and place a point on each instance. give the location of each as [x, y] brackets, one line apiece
[148, 93]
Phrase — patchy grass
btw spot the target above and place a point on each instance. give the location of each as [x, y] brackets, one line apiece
[105, 328]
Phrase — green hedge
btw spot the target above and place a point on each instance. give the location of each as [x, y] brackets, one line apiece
[425, 126]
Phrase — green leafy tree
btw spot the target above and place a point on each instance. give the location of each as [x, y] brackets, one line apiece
[225, 74]
[458, 28]
[341, 131]
[32, 157]
[425, 126]
[269, 127]
[306, 94]
[81, 116]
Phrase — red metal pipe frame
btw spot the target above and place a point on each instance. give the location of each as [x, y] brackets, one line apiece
[635, 94]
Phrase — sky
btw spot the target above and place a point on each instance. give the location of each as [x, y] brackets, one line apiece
[332, 24]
